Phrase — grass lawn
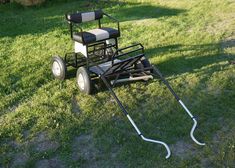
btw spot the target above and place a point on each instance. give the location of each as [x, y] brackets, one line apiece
[48, 123]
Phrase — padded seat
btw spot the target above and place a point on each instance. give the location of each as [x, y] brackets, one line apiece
[96, 35]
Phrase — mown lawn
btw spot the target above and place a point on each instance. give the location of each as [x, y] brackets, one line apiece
[48, 123]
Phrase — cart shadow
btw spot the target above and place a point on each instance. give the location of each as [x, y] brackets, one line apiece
[192, 58]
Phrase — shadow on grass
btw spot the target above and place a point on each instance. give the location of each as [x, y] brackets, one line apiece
[181, 64]
[138, 12]
[116, 133]
[42, 20]
[191, 57]
[208, 105]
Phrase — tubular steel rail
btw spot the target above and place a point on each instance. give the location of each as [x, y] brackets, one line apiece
[155, 72]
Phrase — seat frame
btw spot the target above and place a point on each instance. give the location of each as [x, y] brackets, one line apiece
[77, 59]
[72, 24]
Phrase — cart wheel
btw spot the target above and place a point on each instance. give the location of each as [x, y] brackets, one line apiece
[144, 63]
[109, 52]
[58, 68]
[84, 80]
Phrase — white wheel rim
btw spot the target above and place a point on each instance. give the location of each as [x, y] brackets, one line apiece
[56, 69]
[81, 82]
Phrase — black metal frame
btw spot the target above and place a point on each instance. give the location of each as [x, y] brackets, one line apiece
[71, 24]
[75, 60]
[120, 70]
[126, 67]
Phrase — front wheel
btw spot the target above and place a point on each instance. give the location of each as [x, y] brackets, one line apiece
[58, 68]
[84, 80]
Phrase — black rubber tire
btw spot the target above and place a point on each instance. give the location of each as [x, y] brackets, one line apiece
[86, 87]
[61, 67]
[109, 52]
[144, 63]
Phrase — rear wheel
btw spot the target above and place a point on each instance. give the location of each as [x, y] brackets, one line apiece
[109, 52]
[144, 63]
[84, 80]
[58, 68]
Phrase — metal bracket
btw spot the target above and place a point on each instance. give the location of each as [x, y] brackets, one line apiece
[146, 77]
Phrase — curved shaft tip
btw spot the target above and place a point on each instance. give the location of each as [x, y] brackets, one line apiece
[194, 125]
[192, 131]
[159, 142]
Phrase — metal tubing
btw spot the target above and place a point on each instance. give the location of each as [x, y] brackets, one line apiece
[166, 83]
[146, 77]
[112, 18]
[182, 104]
[150, 140]
[124, 48]
[159, 142]
[114, 95]
[194, 125]
[133, 124]
[130, 119]
[129, 52]
[129, 71]
[186, 109]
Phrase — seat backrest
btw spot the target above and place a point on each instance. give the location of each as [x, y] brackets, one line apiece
[81, 17]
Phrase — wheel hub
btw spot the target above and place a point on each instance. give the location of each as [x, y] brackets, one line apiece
[56, 69]
[81, 82]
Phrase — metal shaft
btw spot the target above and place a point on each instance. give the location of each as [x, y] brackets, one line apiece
[132, 122]
[194, 125]
[156, 71]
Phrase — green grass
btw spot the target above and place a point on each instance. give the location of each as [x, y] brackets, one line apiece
[190, 41]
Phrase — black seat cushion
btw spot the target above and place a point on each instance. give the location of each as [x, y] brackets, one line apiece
[96, 35]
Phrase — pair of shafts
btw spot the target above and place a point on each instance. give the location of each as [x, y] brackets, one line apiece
[155, 72]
